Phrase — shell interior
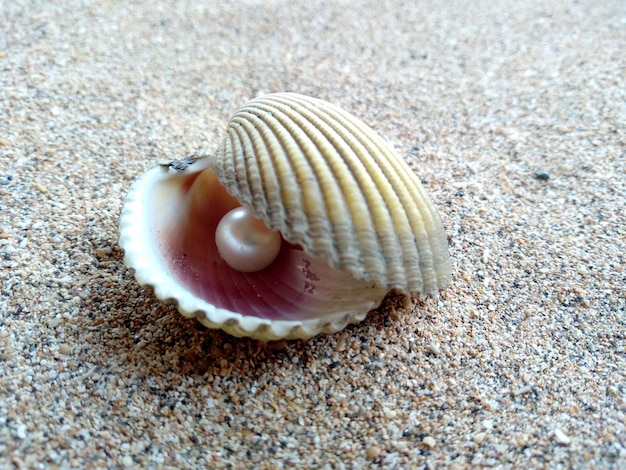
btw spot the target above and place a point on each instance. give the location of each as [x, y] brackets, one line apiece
[168, 234]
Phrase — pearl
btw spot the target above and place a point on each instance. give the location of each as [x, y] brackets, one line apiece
[245, 243]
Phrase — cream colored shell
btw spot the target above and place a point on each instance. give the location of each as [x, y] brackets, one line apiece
[329, 183]
[357, 220]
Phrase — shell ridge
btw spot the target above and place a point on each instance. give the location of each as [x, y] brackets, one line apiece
[232, 170]
[261, 177]
[410, 242]
[375, 179]
[248, 174]
[302, 167]
[310, 144]
[287, 197]
[435, 246]
[412, 226]
[315, 227]
[425, 222]
[407, 221]
[396, 227]
[351, 221]
[287, 144]
[370, 181]
[379, 246]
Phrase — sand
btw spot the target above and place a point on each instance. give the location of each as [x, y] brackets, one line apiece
[511, 113]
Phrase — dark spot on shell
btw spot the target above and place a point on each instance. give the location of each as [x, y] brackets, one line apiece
[309, 276]
[182, 164]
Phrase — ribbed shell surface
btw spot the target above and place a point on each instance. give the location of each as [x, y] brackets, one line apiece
[329, 183]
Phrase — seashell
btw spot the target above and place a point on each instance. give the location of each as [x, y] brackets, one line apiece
[301, 223]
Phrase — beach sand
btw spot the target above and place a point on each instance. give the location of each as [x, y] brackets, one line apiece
[511, 113]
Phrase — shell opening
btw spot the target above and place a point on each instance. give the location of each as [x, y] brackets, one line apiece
[169, 228]
[245, 243]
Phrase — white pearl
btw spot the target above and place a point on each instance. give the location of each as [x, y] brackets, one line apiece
[245, 242]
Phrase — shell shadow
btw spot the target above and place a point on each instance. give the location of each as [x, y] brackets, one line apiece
[145, 351]
[128, 327]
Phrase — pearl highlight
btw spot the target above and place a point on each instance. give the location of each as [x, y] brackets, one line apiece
[245, 243]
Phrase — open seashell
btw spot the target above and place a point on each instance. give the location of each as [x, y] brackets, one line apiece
[327, 220]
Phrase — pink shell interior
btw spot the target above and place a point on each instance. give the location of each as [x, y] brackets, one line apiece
[186, 210]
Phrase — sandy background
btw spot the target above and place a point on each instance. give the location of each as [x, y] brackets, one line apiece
[520, 364]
